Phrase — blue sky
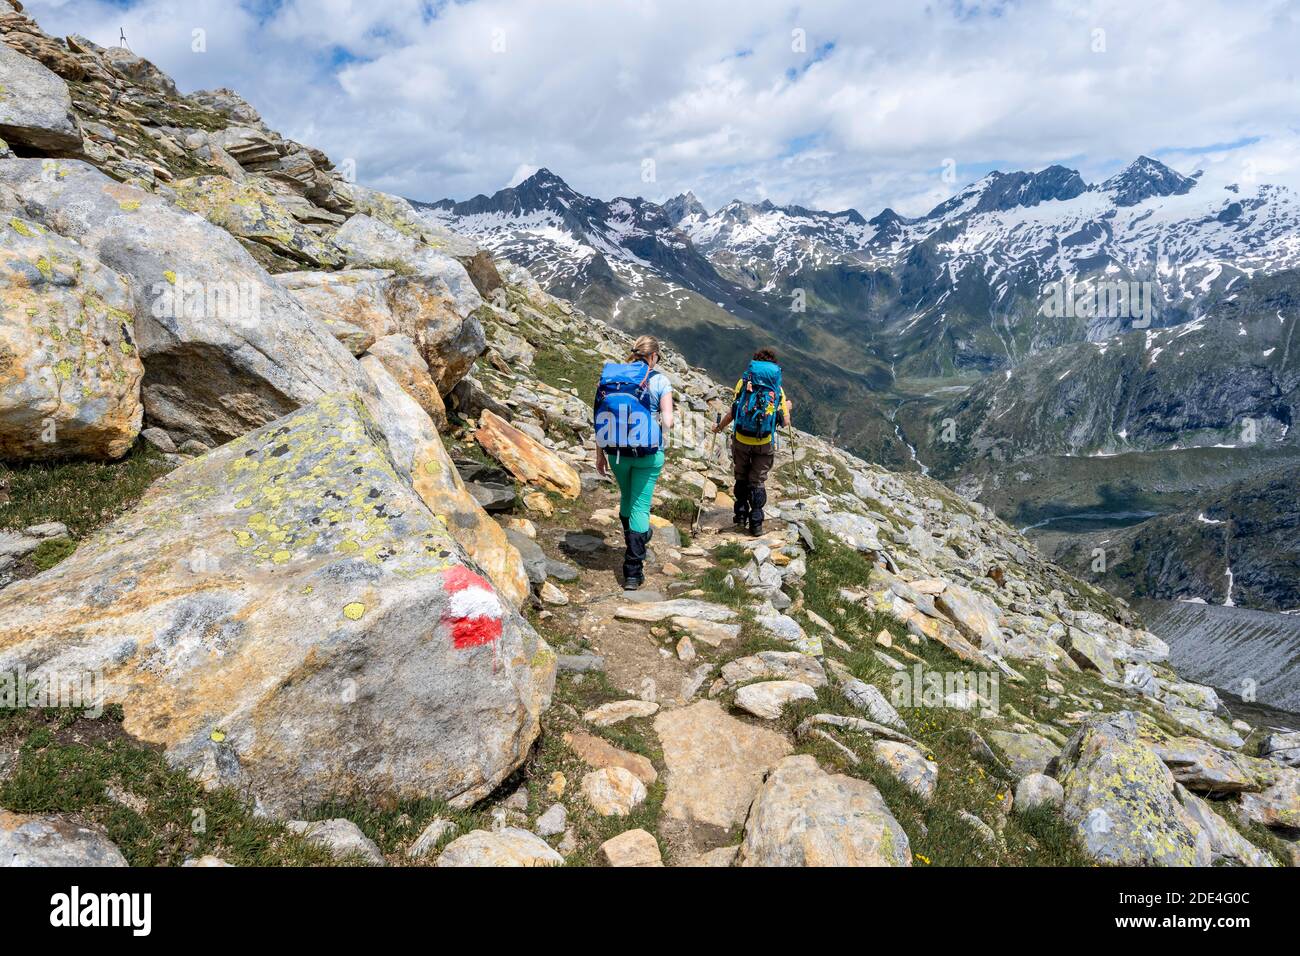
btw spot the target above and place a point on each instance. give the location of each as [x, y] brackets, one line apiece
[826, 104]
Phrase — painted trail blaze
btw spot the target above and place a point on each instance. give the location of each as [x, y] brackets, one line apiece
[474, 611]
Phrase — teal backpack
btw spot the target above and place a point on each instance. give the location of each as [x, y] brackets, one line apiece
[759, 400]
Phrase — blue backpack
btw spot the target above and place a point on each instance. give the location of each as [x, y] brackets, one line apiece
[623, 414]
[759, 400]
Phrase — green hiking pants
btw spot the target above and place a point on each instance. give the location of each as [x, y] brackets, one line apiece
[636, 479]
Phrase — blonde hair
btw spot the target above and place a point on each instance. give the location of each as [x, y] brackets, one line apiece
[643, 348]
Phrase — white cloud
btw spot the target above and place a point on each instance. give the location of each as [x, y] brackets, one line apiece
[520, 174]
[452, 99]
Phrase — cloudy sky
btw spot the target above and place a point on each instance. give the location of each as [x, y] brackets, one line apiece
[826, 103]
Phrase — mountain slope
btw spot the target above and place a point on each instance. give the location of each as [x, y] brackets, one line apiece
[1239, 545]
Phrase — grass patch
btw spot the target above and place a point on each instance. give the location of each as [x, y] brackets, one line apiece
[680, 511]
[51, 552]
[394, 825]
[84, 495]
[558, 367]
[71, 763]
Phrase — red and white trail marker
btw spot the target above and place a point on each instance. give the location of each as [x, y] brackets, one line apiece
[474, 611]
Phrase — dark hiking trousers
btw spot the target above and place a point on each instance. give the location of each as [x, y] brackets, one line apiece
[750, 464]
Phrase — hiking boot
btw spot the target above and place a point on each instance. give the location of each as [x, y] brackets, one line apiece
[634, 559]
[756, 529]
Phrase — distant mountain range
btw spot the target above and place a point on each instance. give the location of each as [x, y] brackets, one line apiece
[1030, 315]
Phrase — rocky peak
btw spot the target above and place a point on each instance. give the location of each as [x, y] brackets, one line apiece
[1000, 191]
[684, 206]
[1143, 178]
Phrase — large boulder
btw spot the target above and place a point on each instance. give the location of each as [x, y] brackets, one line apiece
[351, 303]
[369, 243]
[35, 107]
[974, 614]
[1201, 766]
[1227, 846]
[285, 616]
[422, 460]
[804, 816]
[248, 145]
[225, 348]
[250, 210]
[1026, 753]
[403, 361]
[360, 306]
[1120, 798]
[52, 840]
[69, 371]
[1282, 747]
[526, 458]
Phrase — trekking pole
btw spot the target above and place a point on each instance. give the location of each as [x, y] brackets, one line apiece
[708, 454]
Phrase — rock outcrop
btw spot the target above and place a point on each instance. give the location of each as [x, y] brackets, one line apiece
[35, 108]
[422, 460]
[1121, 799]
[360, 306]
[249, 210]
[225, 348]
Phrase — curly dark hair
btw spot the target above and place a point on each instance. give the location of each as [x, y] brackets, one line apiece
[765, 355]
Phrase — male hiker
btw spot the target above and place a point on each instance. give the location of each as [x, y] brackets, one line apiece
[759, 407]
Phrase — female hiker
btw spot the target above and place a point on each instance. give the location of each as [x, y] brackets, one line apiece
[633, 410]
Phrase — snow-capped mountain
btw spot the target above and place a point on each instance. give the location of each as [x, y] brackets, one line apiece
[628, 261]
[971, 278]
[567, 238]
[967, 287]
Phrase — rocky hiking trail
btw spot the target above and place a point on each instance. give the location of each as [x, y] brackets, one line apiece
[344, 575]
